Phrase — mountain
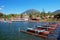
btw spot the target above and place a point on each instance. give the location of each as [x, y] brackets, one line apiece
[56, 12]
[31, 11]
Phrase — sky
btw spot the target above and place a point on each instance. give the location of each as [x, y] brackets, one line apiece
[19, 6]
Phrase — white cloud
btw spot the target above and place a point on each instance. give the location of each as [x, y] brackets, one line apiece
[0, 8]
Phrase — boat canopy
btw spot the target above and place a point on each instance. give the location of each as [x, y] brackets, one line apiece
[30, 28]
[39, 26]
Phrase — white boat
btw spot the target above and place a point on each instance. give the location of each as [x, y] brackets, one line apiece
[44, 26]
[34, 30]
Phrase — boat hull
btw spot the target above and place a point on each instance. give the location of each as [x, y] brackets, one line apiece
[42, 36]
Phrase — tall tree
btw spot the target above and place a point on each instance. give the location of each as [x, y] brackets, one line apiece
[30, 16]
[1, 15]
[43, 13]
[21, 15]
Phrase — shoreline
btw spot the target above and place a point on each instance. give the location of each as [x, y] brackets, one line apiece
[26, 21]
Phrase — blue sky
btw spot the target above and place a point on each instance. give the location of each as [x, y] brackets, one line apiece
[19, 6]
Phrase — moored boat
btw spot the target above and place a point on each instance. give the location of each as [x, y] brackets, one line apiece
[35, 30]
[41, 31]
[38, 35]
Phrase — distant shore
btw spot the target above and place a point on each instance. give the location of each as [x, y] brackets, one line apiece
[27, 21]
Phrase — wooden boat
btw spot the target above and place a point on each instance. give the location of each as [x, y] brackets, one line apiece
[38, 31]
[49, 27]
[53, 27]
[44, 27]
[42, 36]
[31, 30]
[35, 30]
[41, 30]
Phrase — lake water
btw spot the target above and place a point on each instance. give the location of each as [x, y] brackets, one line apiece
[11, 31]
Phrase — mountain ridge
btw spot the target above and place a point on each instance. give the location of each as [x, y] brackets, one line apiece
[30, 11]
[56, 12]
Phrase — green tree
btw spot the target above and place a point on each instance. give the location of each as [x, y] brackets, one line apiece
[21, 15]
[30, 16]
[43, 13]
[1, 15]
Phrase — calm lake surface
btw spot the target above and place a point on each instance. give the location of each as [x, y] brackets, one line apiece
[11, 31]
